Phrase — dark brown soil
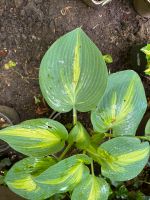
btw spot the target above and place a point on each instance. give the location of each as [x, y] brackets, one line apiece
[29, 27]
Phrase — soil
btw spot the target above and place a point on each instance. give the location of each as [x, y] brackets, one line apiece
[29, 27]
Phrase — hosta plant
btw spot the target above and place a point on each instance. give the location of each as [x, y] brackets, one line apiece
[73, 77]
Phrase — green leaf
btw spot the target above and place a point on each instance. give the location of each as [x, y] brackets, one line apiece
[147, 132]
[58, 197]
[108, 59]
[11, 64]
[147, 128]
[73, 73]
[21, 177]
[91, 188]
[122, 106]
[79, 136]
[122, 192]
[2, 180]
[97, 138]
[147, 137]
[146, 50]
[65, 175]
[122, 158]
[37, 137]
[147, 71]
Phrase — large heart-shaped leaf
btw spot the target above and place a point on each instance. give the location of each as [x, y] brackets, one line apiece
[73, 73]
[65, 175]
[122, 158]
[37, 137]
[91, 188]
[123, 105]
[21, 177]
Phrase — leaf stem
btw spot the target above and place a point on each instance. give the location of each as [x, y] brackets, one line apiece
[108, 135]
[74, 116]
[64, 152]
[92, 168]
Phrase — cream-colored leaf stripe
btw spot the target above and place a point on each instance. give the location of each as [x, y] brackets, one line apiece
[37, 133]
[117, 163]
[91, 188]
[122, 106]
[76, 64]
[75, 171]
[94, 192]
[127, 105]
[26, 183]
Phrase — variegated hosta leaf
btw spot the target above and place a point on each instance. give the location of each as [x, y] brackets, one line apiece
[21, 177]
[73, 73]
[122, 106]
[65, 175]
[79, 136]
[37, 137]
[122, 158]
[91, 188]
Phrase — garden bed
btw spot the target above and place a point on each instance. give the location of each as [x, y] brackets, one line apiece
[29, 27]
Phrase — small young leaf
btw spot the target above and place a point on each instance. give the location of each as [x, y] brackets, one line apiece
[21, 177]
[121, 158]
[37, 137]
[11, 64]
[73, 73]
[79, 136]
[122, 106]
[146, 50]
[91, 188]
[108, 58]
[122, 192]
[147, 71]
[65, 175]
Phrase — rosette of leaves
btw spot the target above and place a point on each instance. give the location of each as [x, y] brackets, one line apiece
[73, 76]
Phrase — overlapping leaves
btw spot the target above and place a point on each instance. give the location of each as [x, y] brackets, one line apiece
[65, 175]
[21, 177]
[38, 137]
[38, 179]
[122, 106]
[73, 75]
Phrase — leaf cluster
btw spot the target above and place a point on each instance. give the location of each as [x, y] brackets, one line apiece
[73, 76]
